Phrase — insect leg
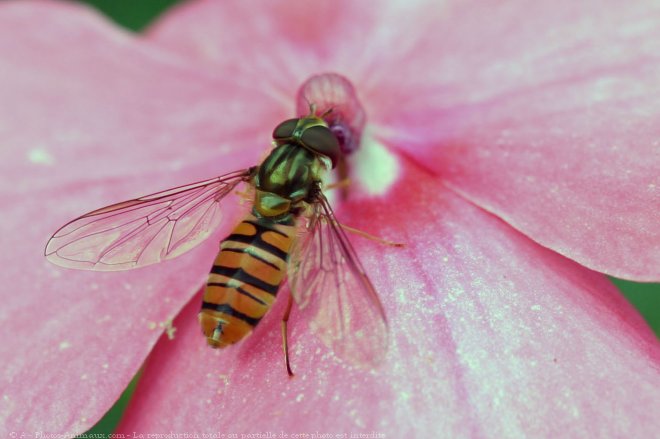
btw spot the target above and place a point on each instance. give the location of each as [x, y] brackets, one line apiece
[372, 237]
[246, 196]
[285, 343]
[342, 173]
[346, 182]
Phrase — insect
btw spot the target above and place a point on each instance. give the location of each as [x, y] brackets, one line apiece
[290, 232]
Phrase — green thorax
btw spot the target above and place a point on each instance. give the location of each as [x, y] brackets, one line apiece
[286, 177]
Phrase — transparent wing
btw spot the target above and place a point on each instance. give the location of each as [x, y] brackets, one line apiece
[143, 231]
[326, 276]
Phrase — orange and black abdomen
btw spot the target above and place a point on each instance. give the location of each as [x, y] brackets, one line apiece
[245, 278]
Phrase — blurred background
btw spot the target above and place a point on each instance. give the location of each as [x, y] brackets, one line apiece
[136, 16]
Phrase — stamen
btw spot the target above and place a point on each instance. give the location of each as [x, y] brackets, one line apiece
[334, 99]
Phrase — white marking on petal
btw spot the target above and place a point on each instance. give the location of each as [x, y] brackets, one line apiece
[40, 157]
[105, 318]
[169, 328]
[373, 166]
[357, 419]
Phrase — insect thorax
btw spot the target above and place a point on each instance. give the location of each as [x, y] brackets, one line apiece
[286, 178]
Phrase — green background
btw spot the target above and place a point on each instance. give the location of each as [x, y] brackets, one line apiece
[136, 15]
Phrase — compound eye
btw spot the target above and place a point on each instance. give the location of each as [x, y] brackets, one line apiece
[285, 129]
[321, 140]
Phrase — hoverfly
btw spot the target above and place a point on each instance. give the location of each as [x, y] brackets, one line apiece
[290, 232]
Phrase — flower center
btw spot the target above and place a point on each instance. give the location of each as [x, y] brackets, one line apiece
[374, 169]
[335, 101]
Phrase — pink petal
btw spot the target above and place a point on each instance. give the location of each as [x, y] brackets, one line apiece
[275, 44]
[36, 79]
[542, 113]
[91, 117]
[491, 335]
[560, 142]
[59, 92]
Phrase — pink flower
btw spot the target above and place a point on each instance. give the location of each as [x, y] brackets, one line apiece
[512, 147]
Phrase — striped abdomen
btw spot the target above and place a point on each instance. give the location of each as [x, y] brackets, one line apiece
[244, 279]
